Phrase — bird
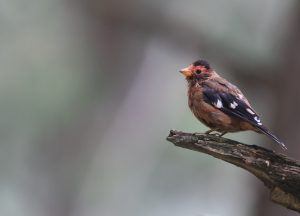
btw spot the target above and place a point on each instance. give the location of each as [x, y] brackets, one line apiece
[220, 105]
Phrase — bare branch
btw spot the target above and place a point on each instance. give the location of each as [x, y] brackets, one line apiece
[278, 172]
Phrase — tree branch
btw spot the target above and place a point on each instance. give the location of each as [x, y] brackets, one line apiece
[278, 172]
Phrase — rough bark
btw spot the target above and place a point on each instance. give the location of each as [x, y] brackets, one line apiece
[278, 172]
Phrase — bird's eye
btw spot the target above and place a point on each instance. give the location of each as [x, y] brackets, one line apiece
[198, 71]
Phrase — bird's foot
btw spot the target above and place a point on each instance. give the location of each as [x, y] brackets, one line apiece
[218, 134]
[209, 131]
[222, 134]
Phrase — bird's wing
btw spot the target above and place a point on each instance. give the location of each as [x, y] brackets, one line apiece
[231, 105]
[234, 106]
[223, 85]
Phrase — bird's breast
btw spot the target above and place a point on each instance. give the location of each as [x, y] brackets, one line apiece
[202, 110]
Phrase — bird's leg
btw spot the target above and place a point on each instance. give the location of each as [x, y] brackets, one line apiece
[221, 134]
[209, 131]
[216, 134]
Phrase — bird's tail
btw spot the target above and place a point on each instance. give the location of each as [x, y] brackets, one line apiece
[265, 131]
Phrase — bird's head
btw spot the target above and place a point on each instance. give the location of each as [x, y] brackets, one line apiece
[199, 70]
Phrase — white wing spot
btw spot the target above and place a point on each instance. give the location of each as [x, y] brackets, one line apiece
[219, 104]
[233, 105]
[250, 111]
[256, 119]
[259, 123]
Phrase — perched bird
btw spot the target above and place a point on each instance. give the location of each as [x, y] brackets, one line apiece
[219, 104]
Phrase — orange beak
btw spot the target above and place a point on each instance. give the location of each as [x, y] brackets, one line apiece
[186, 71]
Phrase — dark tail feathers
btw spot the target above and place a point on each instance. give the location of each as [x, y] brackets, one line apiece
[265, 131]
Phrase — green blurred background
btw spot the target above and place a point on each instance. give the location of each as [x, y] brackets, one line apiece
[90, 90]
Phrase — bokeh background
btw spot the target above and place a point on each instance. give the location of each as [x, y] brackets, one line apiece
[90, 90]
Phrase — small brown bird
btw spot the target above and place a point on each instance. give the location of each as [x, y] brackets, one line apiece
[219, 104]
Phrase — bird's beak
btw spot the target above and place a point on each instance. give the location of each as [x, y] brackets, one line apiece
[186, 71]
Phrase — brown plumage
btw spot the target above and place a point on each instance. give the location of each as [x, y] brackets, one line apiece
[219, 104]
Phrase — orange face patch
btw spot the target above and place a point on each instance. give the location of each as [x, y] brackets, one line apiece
[199, 67]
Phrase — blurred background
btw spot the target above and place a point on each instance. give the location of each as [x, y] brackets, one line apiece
[90, 90]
